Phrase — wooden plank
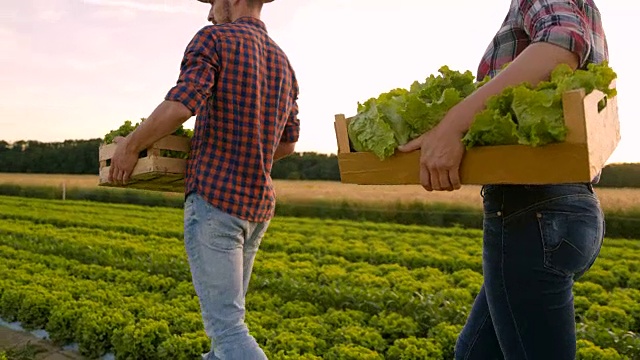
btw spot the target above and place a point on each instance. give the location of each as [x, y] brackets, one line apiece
[366, 169]
[603, 130]
[520, 164]
[573, 113]
[173, 143]
[167, 166]
[155, 182]
[342, 135]
[106, 151]
[554, 163]
[170, 166]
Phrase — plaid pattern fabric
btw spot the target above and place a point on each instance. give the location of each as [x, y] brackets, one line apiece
[572, 24]
[244, 91]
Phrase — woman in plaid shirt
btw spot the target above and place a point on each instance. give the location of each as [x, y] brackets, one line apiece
[537, 239]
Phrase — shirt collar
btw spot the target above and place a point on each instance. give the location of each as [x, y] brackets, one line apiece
[252, 21]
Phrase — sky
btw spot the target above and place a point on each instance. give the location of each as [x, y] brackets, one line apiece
[77, 69]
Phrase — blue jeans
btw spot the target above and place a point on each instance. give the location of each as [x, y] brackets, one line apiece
[221, 250]
[537, 241]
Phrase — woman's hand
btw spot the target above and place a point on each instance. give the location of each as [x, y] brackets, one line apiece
[442, 151]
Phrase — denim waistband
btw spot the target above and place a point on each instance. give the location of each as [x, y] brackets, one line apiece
[511, 198]
[539, 190]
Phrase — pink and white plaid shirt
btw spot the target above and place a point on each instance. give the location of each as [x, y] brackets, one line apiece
[572, 24]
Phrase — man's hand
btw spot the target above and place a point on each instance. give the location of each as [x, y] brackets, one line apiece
[122, 162]
[441, 155]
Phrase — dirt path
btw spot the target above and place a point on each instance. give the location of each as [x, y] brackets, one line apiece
[25, 346]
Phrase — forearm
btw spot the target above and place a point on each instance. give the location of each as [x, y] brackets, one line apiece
[163, 121]
[533, 65]
[283, 150]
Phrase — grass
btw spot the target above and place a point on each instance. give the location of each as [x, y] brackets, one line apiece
[612, 199]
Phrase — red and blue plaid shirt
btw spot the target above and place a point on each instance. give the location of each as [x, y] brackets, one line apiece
[572, 24]
[243, 89]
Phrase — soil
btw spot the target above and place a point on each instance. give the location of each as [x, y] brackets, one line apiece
[20, 345]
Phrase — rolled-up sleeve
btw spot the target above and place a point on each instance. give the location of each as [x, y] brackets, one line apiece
[198, 69]
[559, 22]
[291, 131]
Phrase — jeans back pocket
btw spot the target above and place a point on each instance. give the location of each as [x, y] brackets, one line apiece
[571, 241]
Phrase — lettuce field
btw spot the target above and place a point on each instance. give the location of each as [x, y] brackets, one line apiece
[114, 279]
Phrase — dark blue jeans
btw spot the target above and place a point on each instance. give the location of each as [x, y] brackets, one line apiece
[537, 241]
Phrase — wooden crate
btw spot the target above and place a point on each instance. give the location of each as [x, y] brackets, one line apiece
[153, 171]
[592, 137]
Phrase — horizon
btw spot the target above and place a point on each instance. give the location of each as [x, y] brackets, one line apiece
[70, 76]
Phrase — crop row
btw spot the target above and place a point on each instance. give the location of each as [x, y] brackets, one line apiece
[330, 289]
[113, 314]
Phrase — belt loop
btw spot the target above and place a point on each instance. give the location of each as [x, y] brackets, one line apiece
[482, 191]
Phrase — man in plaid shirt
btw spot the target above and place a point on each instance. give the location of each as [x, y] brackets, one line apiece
[537, 239]
[244, 91]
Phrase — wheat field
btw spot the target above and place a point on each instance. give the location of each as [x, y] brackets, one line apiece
[612, 199]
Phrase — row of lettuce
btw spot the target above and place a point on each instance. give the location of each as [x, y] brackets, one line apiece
[621, 223]
[347, 291]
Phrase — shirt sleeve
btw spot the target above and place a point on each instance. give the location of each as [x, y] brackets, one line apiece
[198, 69]
[559, 22]
[292, 128]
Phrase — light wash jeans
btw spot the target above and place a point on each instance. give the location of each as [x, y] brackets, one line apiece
[221, 250]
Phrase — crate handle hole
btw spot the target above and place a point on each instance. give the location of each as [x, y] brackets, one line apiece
[602, 104]
[174, 154]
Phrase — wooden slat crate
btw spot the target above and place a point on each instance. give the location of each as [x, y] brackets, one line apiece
[153, 171]
[592, 137]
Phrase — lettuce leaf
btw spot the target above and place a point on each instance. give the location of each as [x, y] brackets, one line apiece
[369, 132]
[391, 105]
[433, 87]
[595, 77]
[423, 116]
[539, 115]
[491, 127]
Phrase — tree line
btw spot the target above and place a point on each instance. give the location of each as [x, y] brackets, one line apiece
[67, 157]
[81, 157]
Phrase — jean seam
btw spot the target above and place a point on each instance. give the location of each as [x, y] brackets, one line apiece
[544, 202]
[504, 288]
[545, 252]
[476, 336]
